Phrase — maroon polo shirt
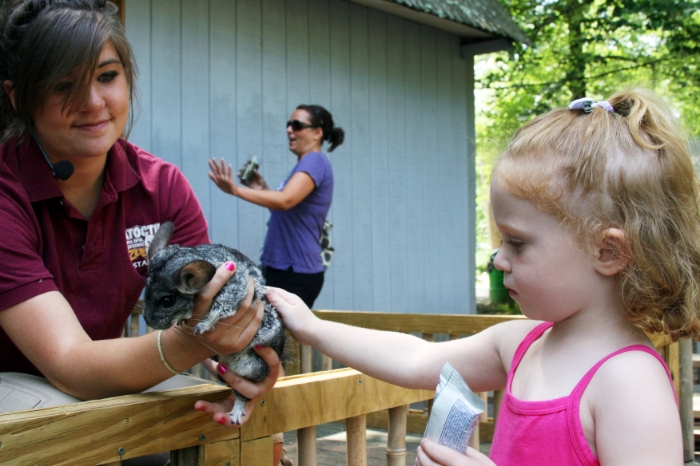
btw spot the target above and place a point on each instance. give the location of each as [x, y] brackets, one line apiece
[98, 265]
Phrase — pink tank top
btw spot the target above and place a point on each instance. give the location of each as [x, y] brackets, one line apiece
[548, 432]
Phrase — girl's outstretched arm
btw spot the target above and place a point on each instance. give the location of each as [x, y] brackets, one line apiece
[396, 358]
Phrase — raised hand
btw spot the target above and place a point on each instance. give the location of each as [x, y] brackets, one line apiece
[222, 176]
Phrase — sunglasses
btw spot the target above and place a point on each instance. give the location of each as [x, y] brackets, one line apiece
[298, 125]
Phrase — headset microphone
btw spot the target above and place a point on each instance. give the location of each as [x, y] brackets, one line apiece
[60, 170]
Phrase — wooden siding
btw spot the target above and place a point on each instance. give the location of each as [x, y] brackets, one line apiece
[219, 78]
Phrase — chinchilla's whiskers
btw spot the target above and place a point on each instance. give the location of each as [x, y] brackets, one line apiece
[253, 303]
[215, 323]
[200, 340]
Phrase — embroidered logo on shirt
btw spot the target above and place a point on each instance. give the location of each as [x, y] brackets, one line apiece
[138, 238]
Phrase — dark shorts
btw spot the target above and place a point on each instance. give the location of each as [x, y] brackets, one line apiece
[305, 285]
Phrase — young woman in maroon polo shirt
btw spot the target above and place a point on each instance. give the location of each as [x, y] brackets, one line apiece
[79, 206]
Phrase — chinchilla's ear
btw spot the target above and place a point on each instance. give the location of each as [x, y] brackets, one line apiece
[194, 276]
[160, 239]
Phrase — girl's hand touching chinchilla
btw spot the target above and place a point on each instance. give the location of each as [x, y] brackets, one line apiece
[297, 317]
[234, 333]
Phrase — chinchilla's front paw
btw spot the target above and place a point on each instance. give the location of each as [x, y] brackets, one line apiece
[202, 327]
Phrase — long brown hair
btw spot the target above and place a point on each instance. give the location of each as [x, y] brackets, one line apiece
[44, 41]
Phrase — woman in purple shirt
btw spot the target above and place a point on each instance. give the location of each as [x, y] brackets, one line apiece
[291, 255]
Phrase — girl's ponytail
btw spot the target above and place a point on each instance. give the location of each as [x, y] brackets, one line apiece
[651, 121]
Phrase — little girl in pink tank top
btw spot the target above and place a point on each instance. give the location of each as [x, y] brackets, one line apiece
[598, 208]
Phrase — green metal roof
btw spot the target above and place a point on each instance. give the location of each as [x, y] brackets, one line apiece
[486, 15]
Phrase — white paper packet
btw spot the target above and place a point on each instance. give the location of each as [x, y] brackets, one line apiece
[455, 411]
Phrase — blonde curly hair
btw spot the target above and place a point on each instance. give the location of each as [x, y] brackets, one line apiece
[628, 169]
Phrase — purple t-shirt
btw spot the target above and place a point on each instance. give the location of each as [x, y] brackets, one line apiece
[293, 235]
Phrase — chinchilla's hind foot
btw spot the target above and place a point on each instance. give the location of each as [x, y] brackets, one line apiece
[238, 410]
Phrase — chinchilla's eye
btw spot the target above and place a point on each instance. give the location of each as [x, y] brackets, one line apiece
[166, 301]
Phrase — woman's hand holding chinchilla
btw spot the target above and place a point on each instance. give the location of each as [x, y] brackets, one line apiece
[234, 333]
[297, 317]
[247, 388]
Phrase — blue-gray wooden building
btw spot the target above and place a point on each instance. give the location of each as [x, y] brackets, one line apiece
[219, 78]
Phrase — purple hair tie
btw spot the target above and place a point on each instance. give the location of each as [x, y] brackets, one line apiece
[586, 104]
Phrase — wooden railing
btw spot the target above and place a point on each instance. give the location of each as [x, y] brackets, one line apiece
[110, 430]
[107, 431]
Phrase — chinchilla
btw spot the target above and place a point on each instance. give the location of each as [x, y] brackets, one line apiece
[177, 273]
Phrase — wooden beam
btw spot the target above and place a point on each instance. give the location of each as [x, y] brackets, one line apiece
[458, 324]
[308, 400]
[659, 339]
[100, 431]
[416, 422]
[222, 453]
[256, 452]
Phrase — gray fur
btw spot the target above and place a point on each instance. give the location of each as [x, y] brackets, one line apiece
[176, 274]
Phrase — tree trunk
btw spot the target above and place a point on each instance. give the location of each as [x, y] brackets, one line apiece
[572, 13]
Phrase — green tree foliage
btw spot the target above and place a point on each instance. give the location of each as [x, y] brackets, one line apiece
[586, 48]
[592, 48]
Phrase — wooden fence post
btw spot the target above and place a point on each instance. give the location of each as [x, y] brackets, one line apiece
[326, 363]
[686, 399]
[396, 442]
[306, 359]
[306, 443]
[356, 430]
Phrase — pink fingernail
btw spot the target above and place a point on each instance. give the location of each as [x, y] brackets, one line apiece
[221, 368]
[222, 421]
[201, 408]
[230, 266]
[258, 346]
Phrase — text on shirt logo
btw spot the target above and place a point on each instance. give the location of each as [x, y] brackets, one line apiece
[138, 238]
